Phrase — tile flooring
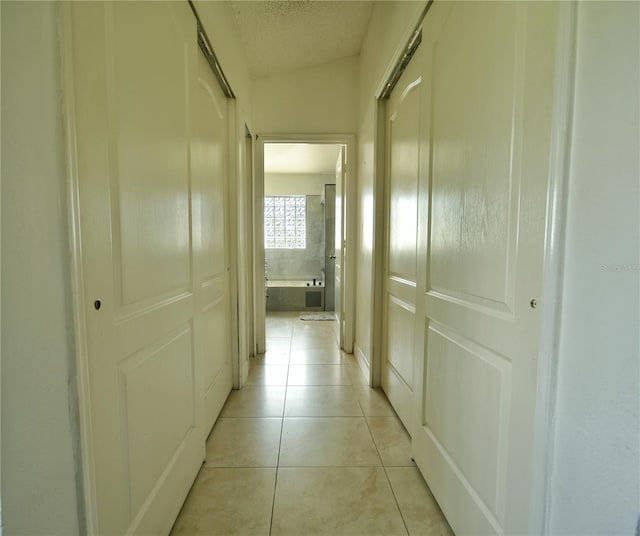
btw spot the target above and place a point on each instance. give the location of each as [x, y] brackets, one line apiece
[306, 448]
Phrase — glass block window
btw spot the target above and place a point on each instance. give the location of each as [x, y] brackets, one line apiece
[285, 222]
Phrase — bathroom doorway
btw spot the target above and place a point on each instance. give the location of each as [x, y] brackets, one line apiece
[300, 220]
[299, 226]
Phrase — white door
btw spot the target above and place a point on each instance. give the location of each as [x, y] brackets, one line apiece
[151, 273]
[403, 146]
[489, 88]
[209, 150]
[338, 249]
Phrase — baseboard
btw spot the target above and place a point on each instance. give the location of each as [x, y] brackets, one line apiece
[362, 360]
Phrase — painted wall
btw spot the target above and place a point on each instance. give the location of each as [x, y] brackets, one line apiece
[596, 467]
[389, 28]
[38, 392]
[315, 100]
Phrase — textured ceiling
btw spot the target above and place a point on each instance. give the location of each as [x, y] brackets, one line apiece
[285, 35]
[301, 158]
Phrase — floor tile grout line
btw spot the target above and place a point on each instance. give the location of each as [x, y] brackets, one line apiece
[395, 498]
[284, 405]
[350, 466]
[373, 440]
[363, 466]
[384, 467]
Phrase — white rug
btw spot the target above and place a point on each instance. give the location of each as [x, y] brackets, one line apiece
[317, 316]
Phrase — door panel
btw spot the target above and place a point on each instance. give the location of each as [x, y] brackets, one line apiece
[403, 177]
[158, 384]
[454, 366]
[489, 72]
[476, 158]
[147, 267]
[134, 76]
[403, 166]
[400, 320]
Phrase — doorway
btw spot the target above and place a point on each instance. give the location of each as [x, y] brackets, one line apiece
[304, 229]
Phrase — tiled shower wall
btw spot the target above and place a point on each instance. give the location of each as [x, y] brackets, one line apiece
[301, 264]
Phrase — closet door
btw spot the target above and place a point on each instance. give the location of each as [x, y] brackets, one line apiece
[209, 150]
[403, 157]
[149, 296]
[490, 81]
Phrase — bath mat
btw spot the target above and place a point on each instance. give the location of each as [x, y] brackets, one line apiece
[317, 316]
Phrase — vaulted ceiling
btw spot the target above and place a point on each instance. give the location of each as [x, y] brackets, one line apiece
[286, 35]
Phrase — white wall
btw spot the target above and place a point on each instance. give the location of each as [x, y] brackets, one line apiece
[596, 470]
[315, 100]
[38, 392]
[390, 23]
[296, 184]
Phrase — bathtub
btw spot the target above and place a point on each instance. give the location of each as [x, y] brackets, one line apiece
[295, 295]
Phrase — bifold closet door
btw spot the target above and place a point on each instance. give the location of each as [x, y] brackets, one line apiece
[489, 88]
[209, 152]
[404, 155]
[155, 325]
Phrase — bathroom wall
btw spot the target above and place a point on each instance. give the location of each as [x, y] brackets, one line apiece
[301, 264]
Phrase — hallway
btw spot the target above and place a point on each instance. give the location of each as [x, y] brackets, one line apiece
[307, 448]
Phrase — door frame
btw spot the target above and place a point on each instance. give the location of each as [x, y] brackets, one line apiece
[86, 477]
[553, 265]
[241, 182]
[349, 222]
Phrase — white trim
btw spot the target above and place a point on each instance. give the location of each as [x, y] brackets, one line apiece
[240, 302]
[231, 188]
[247, 155]
[362, 360]
[1, 522]
[350, 223]
[553, 267]
[87, 477]
[259, 300]
[379, 226]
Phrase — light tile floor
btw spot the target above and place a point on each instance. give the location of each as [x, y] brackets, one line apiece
[306, 448]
